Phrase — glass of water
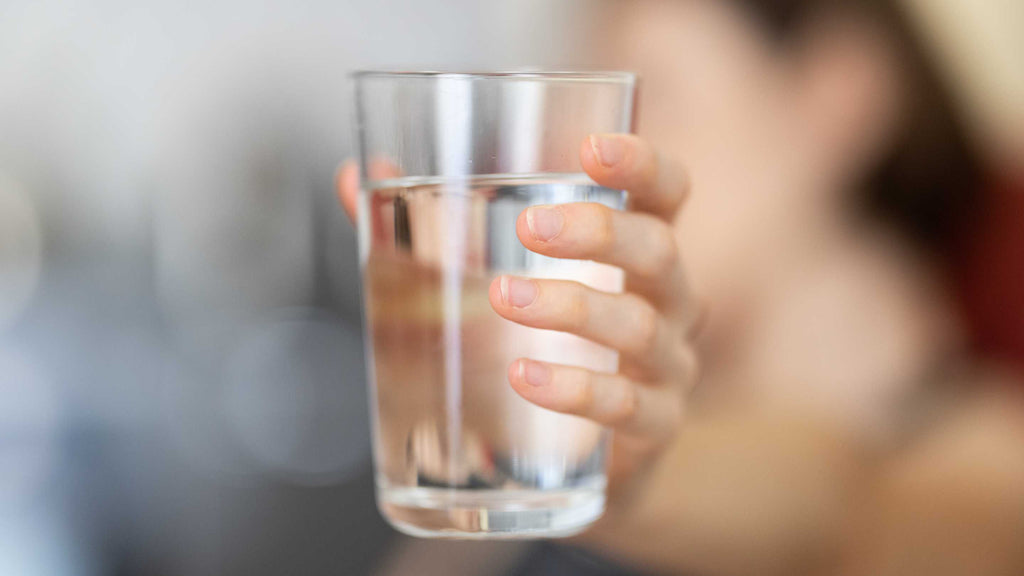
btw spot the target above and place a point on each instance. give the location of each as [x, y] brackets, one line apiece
[447, 163]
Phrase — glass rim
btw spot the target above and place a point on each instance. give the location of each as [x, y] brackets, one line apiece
[612, 77]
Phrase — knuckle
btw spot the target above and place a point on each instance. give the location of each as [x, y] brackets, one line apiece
[603, 228]
[647, 163]
[663, 252]
[626, 406]
[583, 400]
[579, 309]
[647, 323]
[666, 246]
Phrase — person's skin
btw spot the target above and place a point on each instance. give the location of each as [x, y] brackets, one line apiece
[821, 327]
[777, 143]
[650, 324]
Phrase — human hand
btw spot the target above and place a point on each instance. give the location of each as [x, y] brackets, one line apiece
[650, 324]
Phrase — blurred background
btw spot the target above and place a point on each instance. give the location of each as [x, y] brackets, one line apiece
[182, 389]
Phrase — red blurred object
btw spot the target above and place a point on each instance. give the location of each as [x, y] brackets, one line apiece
[991, 276]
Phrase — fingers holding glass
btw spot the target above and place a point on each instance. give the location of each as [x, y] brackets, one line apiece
[649, 324]
[656, 184]
[608, 399]
[624, 322]
[641, 244]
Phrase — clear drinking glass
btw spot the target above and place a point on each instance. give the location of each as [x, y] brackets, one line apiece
[447, 163]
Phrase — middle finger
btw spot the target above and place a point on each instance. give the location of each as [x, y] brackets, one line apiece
[624, 322]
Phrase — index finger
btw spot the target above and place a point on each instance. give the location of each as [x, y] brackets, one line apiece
[656, 184]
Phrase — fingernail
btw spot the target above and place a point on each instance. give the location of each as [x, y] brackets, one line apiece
[517, 292]
[544, 222]
[608, 150]
[534, 373]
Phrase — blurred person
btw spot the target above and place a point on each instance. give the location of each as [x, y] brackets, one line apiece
[804, 168]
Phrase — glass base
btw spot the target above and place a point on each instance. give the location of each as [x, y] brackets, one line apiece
[490, 514]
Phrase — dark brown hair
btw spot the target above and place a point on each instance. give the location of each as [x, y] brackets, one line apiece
[928, 182]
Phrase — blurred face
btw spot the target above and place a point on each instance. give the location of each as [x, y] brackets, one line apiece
[808, 305]
[773, 138]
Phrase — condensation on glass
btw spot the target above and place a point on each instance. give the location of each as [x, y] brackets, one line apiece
[447, 163]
